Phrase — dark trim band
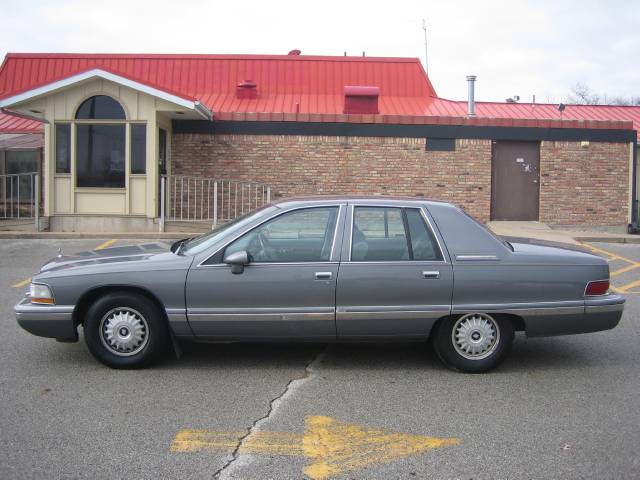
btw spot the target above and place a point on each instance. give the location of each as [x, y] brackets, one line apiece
[402, 130]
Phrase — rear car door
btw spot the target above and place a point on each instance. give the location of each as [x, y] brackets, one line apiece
[287, 291]
[395, 278]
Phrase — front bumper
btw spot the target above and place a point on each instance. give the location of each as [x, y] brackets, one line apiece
[51, 321]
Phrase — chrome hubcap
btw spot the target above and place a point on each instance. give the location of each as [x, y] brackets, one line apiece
[124, 331]
[475, 336]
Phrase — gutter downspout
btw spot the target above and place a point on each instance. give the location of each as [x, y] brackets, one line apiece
[633, 226]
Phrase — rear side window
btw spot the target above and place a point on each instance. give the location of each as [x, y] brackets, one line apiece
[391, 234]
[423, 243]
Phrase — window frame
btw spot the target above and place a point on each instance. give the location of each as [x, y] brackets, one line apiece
[425, 218]
[217, 257]
[127, 122]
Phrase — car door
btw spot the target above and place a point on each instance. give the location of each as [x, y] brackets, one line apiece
[286, 291]
[395, 278]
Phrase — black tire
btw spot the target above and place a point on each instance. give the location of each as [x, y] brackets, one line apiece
[471, 362]
[151, 336]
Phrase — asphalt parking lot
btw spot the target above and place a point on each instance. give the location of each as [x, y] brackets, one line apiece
[564, 407]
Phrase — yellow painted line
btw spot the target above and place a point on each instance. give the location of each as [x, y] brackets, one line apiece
[624, 269]
[613, 256]
[624, 288]
[22, 283]
[106, 244]
[331, 447]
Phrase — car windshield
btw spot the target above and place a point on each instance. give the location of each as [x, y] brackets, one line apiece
[203, 242]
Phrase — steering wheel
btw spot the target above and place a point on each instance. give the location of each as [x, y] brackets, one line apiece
[264, 252]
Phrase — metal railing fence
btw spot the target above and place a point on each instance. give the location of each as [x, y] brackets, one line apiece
[20, 196]
[188, 198]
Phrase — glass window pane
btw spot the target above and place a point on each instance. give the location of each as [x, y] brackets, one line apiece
[20, 161]
[299, 236]
[63, 148]
[423, 243]
[100, 107]
[138, 148]
[378, 235]
[100, 155]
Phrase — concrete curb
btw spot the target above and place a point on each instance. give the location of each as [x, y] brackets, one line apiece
[588, 238]
[97, 235]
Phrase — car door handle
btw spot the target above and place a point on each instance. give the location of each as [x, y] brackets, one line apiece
[323, 275]
[430, 274]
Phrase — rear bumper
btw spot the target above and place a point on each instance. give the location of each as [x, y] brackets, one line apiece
[51, 321]
[598, 313]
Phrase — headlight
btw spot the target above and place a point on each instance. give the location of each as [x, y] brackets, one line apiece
[40, 294]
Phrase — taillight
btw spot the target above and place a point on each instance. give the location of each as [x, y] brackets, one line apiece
[599, 287]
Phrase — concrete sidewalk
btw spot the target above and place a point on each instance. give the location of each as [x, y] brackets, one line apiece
[542, 231]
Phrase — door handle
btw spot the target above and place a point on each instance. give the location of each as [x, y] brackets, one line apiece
[431, 274]
[323, 275]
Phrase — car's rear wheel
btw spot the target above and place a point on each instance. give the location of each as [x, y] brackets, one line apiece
[473, 343]
[125, 330]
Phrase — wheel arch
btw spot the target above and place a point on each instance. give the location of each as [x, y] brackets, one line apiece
[517, 321]
[91, 295]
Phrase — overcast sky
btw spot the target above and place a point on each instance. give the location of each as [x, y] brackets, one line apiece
[515, 47]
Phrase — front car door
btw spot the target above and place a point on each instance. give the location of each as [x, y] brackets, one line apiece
[395, 277]
[287, 291]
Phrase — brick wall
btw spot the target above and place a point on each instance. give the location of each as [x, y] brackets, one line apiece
[578, 185]
[586, 185]
[316, 165]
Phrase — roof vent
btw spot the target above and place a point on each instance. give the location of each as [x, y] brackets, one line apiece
[294, 52]
[358, 99]
[247, 89]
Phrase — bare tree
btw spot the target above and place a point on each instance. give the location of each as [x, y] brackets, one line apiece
[581, 94]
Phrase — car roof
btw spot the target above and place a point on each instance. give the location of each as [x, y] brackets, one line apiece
[364, 199]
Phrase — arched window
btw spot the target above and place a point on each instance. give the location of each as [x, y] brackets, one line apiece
[100, 147]
[100, 107]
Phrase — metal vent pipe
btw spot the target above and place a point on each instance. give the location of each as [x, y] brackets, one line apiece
[471, 104]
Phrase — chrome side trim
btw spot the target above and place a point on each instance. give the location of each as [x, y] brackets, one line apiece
[275, 215]
[392, 312]
[464, 258]
[176, 314]
[260, 317]
[571, 307]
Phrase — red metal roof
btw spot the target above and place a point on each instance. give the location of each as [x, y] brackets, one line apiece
[285, 83]
[303, 88]
[17, 124]
[539, 111]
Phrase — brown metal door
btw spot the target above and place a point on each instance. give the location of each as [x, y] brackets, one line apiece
[515, 181]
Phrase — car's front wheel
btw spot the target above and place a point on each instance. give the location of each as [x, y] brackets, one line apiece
[473, 343]
[125, 330]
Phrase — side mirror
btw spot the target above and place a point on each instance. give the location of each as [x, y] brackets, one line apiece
[237, 260]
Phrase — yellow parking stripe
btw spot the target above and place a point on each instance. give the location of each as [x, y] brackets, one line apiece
[610, 254]
[625, 288]
[106, 244]
[625, 269]
[22, 283]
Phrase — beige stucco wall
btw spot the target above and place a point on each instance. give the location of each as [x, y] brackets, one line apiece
[140, 195]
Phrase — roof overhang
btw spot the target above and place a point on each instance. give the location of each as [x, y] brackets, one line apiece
[32, 94]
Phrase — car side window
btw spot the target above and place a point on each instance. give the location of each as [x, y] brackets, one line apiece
[391, 234]
[424, 245]
[297, 236]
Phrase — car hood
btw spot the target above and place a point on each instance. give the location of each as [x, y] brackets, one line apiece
[531, 247]
[129, 253]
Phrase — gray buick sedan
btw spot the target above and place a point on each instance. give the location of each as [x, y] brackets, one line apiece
[325, 269]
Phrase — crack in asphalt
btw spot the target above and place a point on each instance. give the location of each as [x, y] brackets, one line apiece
[294, 383]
